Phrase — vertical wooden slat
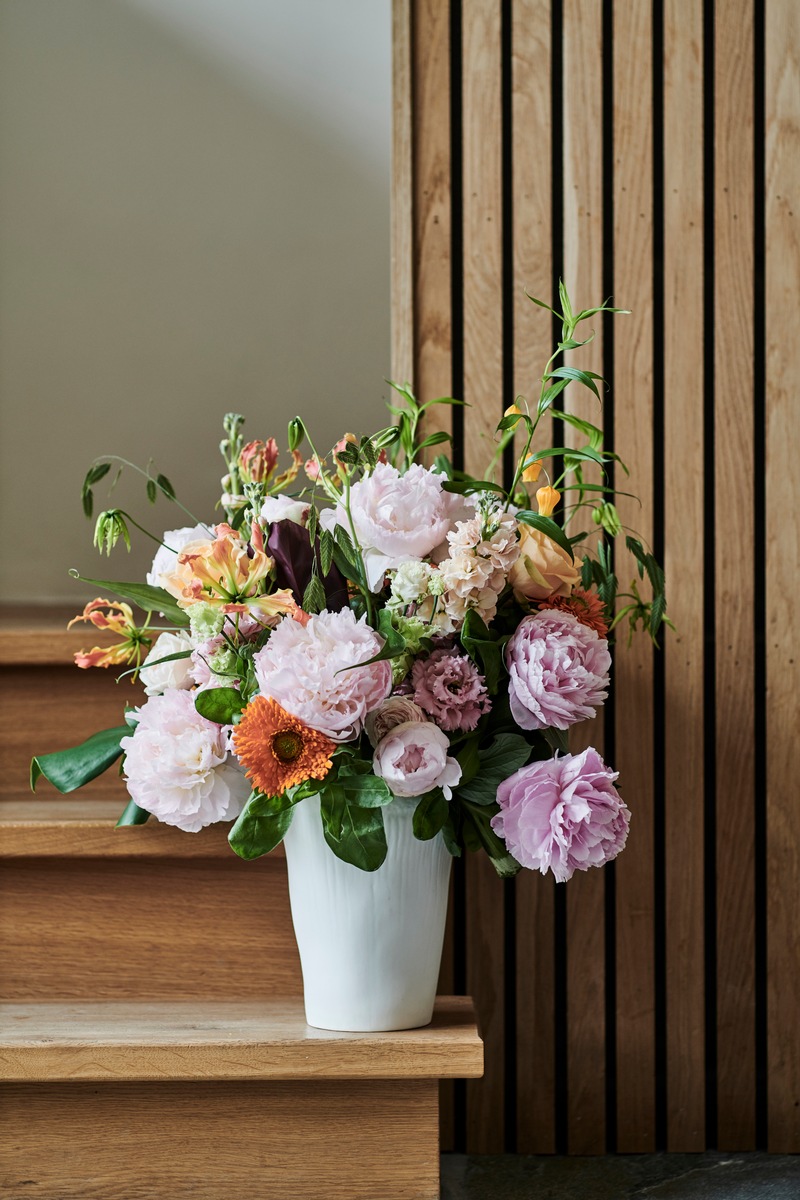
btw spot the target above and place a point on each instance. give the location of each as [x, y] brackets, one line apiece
[733, 463]
[633, 421]
[782, 568]
[483, 389]
[402, 214]
[683, 510]
[583, 276]
[432, 223]
[531, 125]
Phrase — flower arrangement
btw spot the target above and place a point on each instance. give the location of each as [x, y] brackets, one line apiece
[368, 625]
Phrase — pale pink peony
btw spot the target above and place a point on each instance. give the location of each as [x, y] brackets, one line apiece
[558, 671]
[159, 676]
[396, 517]
[302, 667]
[413, 760]
[395, 710]
[563, 814]
[450, 689]
[177, 765]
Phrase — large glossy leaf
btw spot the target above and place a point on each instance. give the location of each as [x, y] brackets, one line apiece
[507, 753]
[132, 814]
[354, 834]
[430, 815]
[256, 832]
[68, 770]
[219, 704]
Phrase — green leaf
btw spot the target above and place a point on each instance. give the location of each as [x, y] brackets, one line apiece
[469, 761]
[466, 486]
[219, 704]
[87, 499]
[444, 400]
[166, 487]
[589, 430]
[314, 599]
[132, 814]
[394, 644]
[587, 378]
[512, 420]
[551, 394]
[435, 439]
[355, 835]
[96, 473]
[430, 815]
[450, 837]
[484, 648]
[477, 823]
[547, 526]
[542, 304]
[149, 599]
[70, 769]
[365, 791]
[507, 753]
[326, 548]
[256, 832]
[557, 739]
[152, 490]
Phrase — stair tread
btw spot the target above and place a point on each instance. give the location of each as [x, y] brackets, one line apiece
[269, 1039]
[38, 636]
[82, 827]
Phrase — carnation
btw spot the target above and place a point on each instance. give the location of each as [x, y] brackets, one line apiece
[562, 815]
[395, 710]
[396, 517]
[410, 581]
[558, 671]
[450, 689]
[174, 540]
[177, 765]
[413, 760]
[305, 668]
[165, 675]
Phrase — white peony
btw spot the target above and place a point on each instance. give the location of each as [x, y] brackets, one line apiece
[165, 675]
[167, 555]
[177, 765]
[413, 759]
[284, 508]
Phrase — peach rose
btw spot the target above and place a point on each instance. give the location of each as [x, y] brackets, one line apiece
[543, 569]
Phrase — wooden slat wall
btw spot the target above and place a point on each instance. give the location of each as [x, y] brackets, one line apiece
[648, 149]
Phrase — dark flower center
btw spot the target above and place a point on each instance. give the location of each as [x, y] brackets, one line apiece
[287, 745]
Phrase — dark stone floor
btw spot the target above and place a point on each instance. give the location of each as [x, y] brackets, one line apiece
[709, 1176]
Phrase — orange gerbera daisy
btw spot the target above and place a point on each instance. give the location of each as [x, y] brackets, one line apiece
[586, 606]
[278, 750]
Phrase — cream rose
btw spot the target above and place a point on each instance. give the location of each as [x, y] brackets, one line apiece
[543, 569]
[158, 676]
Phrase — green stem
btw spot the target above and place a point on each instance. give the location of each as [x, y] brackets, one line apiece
[147, 475]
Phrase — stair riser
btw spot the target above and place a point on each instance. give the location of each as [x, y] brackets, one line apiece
[138, 928]
[324, 1140]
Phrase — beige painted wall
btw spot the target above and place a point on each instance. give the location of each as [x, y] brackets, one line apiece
[194, 218]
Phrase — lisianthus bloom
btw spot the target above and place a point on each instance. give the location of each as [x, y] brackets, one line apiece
[314, 672]
[229, 573]
[115, 617]
[586, 606]
[558, 671]
[279, 751]
[450, 689]
[542, 569]
[174, 540]
[396, 517]
[177, 765]
[413, 760]
[563, 814]
[159, 675]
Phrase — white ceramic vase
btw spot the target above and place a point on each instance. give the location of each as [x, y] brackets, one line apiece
[370, 941]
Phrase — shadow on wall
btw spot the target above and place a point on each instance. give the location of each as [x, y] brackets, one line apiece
[174, 244]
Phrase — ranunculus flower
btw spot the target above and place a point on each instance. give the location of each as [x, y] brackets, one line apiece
[396, 517]
[413, 759]
[563, 814]
[395, 710]
[302, 667]
[165, 675]
[543, 569]
[177, 765]
[558, 671]
[450, 689]
[166, 558]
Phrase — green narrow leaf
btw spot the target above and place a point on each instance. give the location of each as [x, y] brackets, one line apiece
[70, 769]
[87, 499]
[326, 548]
[166, 487]
[314, 598]
[149, 599]
[152, 491]
[132, 814]
[587, 378]
[435, 439]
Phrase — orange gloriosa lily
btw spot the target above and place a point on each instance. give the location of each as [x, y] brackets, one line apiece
[114, 617]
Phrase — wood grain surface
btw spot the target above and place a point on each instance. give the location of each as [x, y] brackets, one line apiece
[683, 507]
[303, 1140]
[735, 577]
[402, 215]
[782, 569]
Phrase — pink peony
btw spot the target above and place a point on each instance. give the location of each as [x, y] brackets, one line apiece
[558, 671]
[177, 765]
[396, 517]
[563, 814]
[413, 759]
[449, 687]
[303, 668]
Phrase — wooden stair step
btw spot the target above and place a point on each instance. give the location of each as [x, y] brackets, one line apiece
[222, 1101]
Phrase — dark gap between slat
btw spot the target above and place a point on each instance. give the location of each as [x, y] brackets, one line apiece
[560, 896]
[709, 592]
[759, 557]
[457, 354]
[659, 656]
[609, 724]
[509, 888]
